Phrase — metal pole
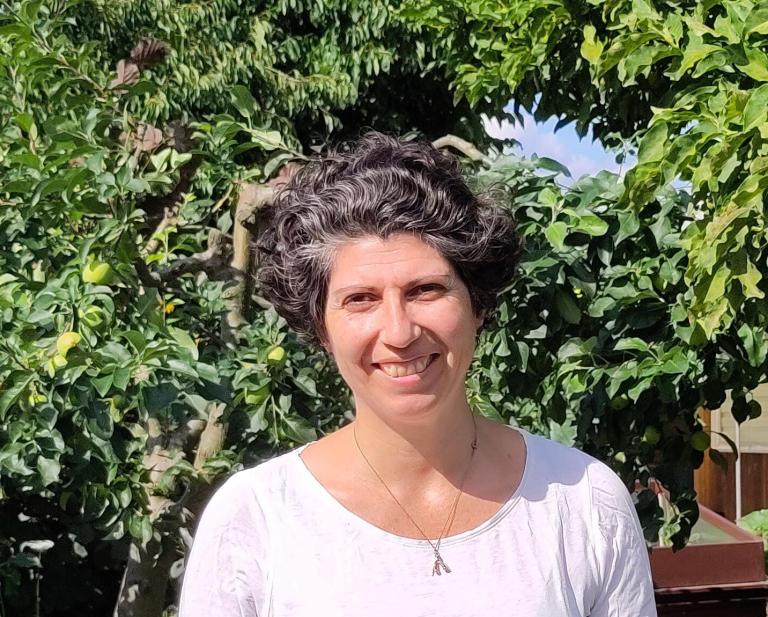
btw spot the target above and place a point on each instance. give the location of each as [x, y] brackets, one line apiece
[738, 471]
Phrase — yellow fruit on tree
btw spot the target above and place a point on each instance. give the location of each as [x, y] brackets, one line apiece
[276, 356]
[98, 273]
[67, 341]
[35, 399]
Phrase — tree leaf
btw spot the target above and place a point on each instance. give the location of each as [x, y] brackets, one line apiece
[38, 546]
[243, 101]
[756, 109]
[552, 165]
[716, 288]
[631, 343]
[749, 281]
[556, 234]
[567, 307]
[592, 225]
[591, 47]
[184, 340]
[149, 52]
[148, 138]
[102, 384]
[653, 143]
[757, 67]
[676, 362]
[127, 74]
[298, 429]
[136, 339]
[693, 53]
[13, 387]
[48, 469]
[269, 140]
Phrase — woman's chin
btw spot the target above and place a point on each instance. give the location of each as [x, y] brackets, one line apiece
[411, 408]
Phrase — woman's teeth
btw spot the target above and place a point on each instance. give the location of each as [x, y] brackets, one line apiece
[403, 369]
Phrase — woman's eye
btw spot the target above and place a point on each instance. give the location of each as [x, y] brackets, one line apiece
[359, 299]
[428, 290]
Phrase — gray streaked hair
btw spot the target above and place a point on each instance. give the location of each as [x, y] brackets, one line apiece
[379, 186]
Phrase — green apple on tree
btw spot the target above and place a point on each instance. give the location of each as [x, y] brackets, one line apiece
[651, 435]
[92, 316]
[700, 441]
[258, 396]
[98, 272]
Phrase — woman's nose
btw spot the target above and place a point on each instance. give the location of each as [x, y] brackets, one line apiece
[398, 328]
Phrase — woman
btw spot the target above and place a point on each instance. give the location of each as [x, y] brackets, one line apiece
[384, 257]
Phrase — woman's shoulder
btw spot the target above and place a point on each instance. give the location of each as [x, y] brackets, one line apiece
[255, 487]
[269, 474]
[556, 461]
[573, 472]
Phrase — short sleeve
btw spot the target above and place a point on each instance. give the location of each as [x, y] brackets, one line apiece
[224, 573]
[625, 582]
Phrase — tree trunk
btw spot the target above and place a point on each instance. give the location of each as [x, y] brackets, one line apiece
[145, 582]
[144, 587]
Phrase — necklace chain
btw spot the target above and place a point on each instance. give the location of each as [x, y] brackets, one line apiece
[439, 563]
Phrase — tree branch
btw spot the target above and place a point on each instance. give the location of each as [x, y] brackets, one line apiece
[169, 220]
[146, 276]
[168, 204]
[251, 199]
[462, 145]
[212, 437]
[212, 261]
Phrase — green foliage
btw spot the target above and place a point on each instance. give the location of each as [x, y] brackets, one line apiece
[307, 67]
[529, 51]
[593, 343]
[636, 303]
[757, 523]
[712, 132]
[92, 360]
[687, 82]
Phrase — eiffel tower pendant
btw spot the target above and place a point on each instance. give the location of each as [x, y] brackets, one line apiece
[439, 563]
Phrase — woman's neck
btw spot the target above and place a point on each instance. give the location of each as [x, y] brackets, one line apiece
[416, 455]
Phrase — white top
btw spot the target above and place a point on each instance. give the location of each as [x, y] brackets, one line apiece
[274, 542]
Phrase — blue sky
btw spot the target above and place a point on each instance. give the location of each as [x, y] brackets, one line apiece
[580, 156]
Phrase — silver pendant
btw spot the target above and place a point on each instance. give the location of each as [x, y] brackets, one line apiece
[439, 563]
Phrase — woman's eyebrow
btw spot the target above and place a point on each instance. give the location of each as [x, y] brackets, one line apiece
[445, 278]
[448, 279]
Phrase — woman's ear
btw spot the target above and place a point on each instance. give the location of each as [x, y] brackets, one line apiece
[480, 320]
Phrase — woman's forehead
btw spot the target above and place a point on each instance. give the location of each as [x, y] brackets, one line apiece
[373, 261]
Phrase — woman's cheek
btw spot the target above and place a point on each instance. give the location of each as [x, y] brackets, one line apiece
[454, 323]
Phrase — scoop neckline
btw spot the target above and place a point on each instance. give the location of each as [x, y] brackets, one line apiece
[372, 529]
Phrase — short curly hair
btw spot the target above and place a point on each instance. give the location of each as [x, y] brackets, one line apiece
[379, 186]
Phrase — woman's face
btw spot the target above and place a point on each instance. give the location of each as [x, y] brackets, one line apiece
[400, 325]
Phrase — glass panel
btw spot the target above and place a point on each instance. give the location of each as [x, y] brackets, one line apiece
[705, 532]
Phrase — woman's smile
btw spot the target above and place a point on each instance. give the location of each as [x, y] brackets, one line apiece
[416, 367]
